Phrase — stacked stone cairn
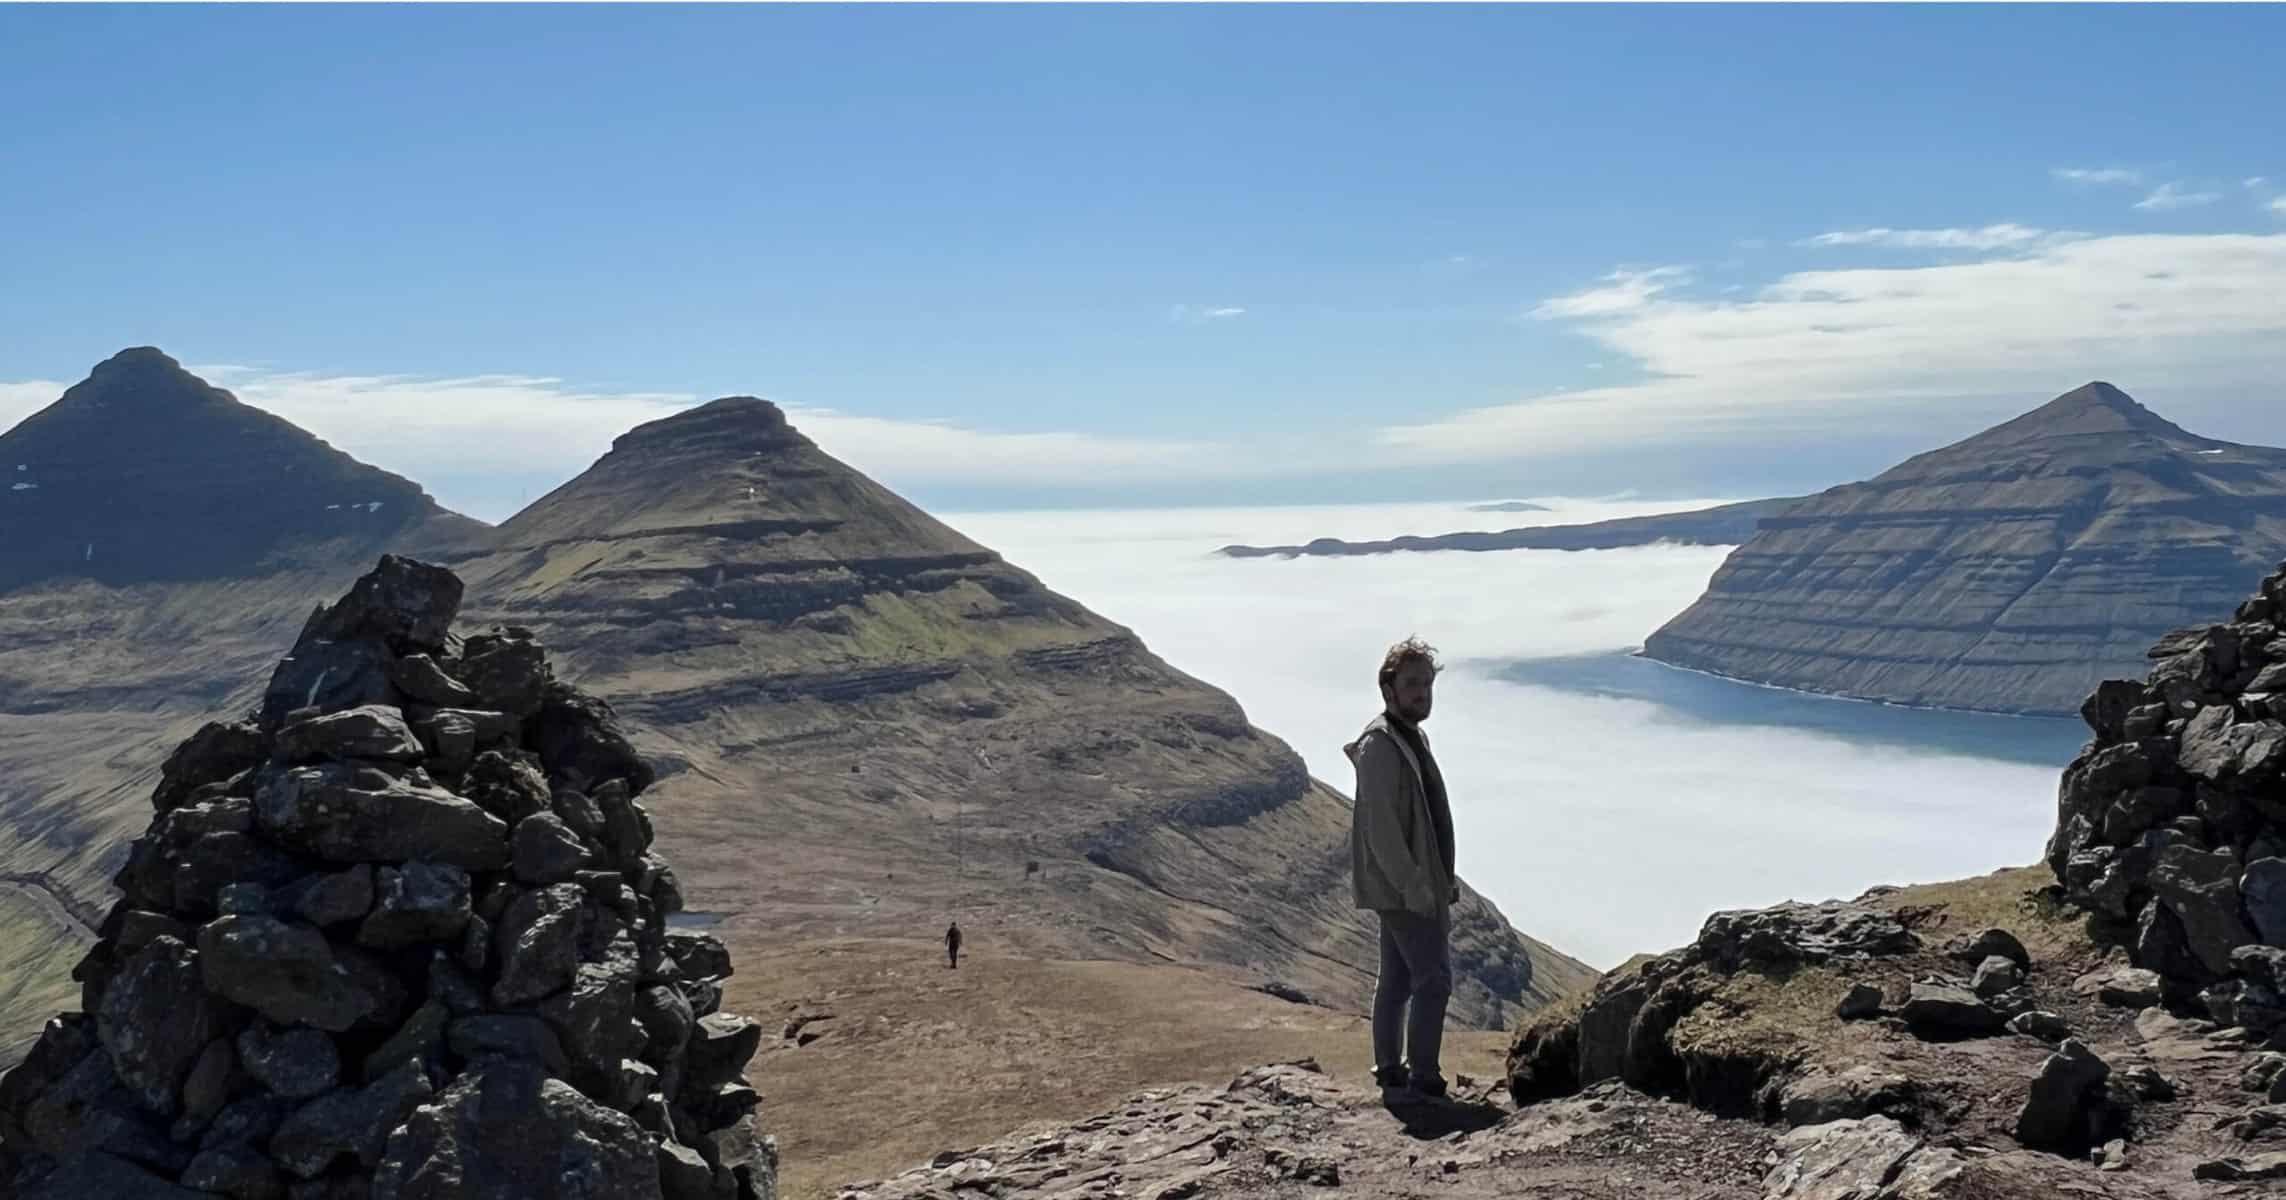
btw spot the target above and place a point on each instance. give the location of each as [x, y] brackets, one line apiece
[397, 936]
[2171, 829]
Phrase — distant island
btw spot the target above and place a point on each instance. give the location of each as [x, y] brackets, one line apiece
[1722, 525]
[1510, 506]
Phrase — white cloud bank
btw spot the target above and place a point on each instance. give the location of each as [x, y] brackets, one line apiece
[1879, 349]
[2097, 175]
[1604, 826]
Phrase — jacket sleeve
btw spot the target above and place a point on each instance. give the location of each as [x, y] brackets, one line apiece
[1381, 819]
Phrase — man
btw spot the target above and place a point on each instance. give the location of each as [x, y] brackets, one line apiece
[1401, 851]
[952, 946]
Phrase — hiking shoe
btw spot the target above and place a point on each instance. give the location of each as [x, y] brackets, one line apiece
[1430, 1087]
[1390, 1077]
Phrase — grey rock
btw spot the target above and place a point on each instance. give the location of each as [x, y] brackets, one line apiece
[327, 676]
[350, 1123]
[2148, 1083]
[1972, 949]
[1935, 1008]
[331, 898]
[241, 898]
[507, 670]
[101, 1176]
[719, 1050]
[2252, 1168]
[667, 1022]
[546, 850]
[2041, 1024]
[509, 786]
[1864, 1000]
[504, 1128]
[246, 1122]
[420, 1039]
[1807, 933]
[208, 1084]
[595, 1018]
[700, 955]
[420, 678]
[155, 1021]
[683, 1174]
[2130, 987]
[579, 739]
[355, 813]
[2218, 748]
[285, 972]
[1995, 976]
[218, 751]
[2201, 890]
[2054, 1114]
[295, 1063]
[538, 943]
[373, 731]
[2263, 888]
[235, 1171]
[516, 1036]
[421, 902]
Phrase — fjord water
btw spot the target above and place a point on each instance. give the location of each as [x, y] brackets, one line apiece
[1604, 801]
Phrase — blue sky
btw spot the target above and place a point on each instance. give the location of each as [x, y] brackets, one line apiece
[1035, 255]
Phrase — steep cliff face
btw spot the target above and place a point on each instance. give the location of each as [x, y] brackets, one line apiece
[2010, 572]
[969, 741]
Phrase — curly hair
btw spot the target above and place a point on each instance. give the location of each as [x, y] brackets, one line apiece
[1411, 650]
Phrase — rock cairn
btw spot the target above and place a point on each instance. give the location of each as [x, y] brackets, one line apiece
[2171, 829]
[398, 935]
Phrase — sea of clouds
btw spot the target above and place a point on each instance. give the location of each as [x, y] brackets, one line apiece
[1604, 825]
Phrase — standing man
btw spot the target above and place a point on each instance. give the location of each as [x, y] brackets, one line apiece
[952, 946]
[1401, 850]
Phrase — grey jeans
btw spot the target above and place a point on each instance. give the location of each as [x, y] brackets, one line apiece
[1416, 975]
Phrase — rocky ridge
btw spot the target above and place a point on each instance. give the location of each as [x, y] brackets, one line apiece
[398, 933]
[2171, 826]
[2009, 572]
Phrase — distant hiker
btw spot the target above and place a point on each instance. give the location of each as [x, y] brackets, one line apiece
[952, 946]
[1401, 852]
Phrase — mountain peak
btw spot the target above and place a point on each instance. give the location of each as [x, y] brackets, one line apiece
[2093, 408]
[731, 423]
[143, 471]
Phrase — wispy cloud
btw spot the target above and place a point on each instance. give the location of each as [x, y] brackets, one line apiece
[2097, 175]
[2255, 181]
[1878, 350]
[1623, 291]
[2172, 195]
[1193, 314]
[2003, 236]
[2279, 206]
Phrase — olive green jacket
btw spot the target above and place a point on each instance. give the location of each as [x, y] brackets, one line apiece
[1395, 862]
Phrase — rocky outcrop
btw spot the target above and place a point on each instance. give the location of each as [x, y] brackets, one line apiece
[2009, 572]
[340, 966]
[1722, 525]
[2171, 826]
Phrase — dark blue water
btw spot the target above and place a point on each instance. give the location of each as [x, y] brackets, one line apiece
[1706, 699]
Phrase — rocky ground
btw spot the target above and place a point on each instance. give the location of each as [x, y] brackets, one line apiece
[1293, 1130]
[1762, 1089]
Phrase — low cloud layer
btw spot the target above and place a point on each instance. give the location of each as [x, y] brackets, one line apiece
[1605, 826]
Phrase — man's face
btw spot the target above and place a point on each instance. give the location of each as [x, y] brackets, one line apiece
[1409, 695]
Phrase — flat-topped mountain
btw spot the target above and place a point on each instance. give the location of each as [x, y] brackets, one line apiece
[881, 724]
[1722, 525]
[2009, 572]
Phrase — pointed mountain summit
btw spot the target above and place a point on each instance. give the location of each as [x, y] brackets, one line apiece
[145, 472]
[2009, 572]
[873, 724]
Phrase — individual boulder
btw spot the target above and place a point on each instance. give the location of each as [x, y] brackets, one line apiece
[2054, 1116]
[506, 1128]
[1943, 1010]
[374, 731]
